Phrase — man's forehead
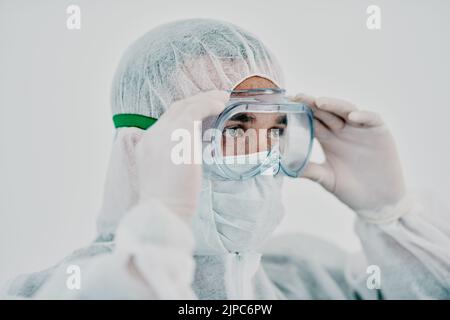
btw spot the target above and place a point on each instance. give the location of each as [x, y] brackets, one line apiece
[255, 82]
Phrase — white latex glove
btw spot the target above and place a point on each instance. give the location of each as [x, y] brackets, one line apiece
[362, 167]
[176, 185]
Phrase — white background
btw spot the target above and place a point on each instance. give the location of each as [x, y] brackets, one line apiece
[55, 122]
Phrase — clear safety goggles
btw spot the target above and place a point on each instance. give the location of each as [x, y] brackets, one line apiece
[261, 132]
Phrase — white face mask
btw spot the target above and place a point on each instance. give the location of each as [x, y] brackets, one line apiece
[237, 216]
[244, 163]
[247, 159]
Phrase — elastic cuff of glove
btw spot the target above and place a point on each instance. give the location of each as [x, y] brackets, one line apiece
[387, 214]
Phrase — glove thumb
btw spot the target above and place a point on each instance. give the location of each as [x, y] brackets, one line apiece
[320, 173]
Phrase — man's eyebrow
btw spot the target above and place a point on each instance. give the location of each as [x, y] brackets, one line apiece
[243, 117]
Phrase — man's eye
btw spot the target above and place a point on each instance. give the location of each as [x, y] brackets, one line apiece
[234, 132]
[276, 132]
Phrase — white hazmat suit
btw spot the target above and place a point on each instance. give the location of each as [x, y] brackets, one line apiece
[145, 250]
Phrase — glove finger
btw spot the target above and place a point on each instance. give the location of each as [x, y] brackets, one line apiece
[218, 95]
[319, 173]
[333, 122]
[197, 101]
[304, 98]
[365, 118]
[212, 105]
[320, 130]
[338, 107]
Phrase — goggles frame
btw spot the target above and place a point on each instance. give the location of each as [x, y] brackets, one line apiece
[250, 102]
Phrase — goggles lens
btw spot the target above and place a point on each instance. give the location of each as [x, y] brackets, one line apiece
[260, 137]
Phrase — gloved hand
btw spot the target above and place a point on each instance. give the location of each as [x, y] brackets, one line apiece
[176, 185]
[362, 167]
